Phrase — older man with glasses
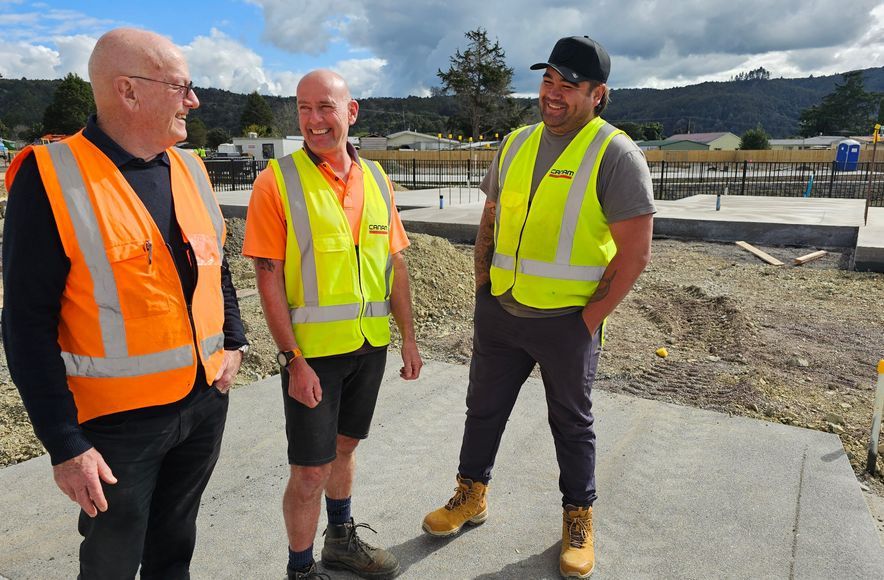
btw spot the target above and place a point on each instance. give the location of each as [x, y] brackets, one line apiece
[120, 324]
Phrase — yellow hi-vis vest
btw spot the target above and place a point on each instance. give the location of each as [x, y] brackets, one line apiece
[337, 297]
[553, 253]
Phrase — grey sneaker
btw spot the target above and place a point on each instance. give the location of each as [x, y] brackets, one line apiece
[344, 549]
[310, 574]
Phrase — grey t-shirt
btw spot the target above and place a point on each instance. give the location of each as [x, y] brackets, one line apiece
[624, 190]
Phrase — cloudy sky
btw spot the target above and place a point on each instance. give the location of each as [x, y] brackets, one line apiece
[394, 47]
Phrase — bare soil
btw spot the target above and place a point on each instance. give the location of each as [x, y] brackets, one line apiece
[793, 344]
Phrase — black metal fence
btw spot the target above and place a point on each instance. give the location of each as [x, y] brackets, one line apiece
[430, 173]
[234, 173]
[672, 180]
[677, 180]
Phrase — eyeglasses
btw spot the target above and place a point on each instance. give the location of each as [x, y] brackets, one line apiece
[182, 90]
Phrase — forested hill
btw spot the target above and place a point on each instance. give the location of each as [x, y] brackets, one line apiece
[713, 106]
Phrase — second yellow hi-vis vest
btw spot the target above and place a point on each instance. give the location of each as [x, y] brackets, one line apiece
[552, 253]
[337, 297]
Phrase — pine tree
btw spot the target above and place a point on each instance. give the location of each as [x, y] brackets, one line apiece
[196, 132]
[481, 82]
[848, 110]
[256, 116]
[70, 107]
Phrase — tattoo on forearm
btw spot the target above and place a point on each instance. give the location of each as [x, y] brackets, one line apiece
[265, 264]
[604, 287]
[483, 253]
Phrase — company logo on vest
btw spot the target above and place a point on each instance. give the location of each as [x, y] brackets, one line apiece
[378, 228]
[561, 173]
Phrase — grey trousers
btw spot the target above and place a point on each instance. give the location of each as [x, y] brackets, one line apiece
[505, 350]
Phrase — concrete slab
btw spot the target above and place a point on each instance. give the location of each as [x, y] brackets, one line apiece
[234, 204]
[790, 221]
[777, 221]
[682, 493]
[869, 255]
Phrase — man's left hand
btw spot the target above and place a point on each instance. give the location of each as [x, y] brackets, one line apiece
[411, 360]
[229, 367]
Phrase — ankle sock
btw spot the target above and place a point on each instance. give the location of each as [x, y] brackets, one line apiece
[300, 561]
[338, 511]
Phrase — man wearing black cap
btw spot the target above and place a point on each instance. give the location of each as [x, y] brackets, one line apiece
[572, 234]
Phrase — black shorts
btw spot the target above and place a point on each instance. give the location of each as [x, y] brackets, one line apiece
[350, 386]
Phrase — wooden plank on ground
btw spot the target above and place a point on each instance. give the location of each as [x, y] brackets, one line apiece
[810, 257]
[759, 253]
[247, 292]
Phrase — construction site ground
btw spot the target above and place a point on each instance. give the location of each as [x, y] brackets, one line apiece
[796, 345]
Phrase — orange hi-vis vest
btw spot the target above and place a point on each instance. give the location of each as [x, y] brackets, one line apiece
[125, 332]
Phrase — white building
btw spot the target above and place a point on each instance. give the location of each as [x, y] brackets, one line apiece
[262, 148]
[420, 141]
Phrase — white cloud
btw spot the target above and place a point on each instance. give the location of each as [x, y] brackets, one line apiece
[363, 76]
[652, 43]
[73, 52]
[221, 62]
[395, 47]
[20, 59]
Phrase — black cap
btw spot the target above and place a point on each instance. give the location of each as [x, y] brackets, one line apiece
[578, 58]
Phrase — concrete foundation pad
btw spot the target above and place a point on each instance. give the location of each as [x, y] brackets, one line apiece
[683, 493]
[869, 255]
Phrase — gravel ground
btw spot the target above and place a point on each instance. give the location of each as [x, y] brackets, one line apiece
[796, 345]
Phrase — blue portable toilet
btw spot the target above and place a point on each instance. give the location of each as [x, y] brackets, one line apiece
[848, 155]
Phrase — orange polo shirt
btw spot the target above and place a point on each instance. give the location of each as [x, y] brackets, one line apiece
[266, 225]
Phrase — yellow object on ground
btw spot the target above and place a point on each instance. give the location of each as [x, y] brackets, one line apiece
[662, 352]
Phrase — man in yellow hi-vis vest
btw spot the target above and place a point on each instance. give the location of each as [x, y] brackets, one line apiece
[565, 233]
[327, 242]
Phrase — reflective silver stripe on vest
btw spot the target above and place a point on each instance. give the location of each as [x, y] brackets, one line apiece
[576, 194]
[88, 234]
[127, 366]
[503, 261]
[384, 186]
[212, 344]
[517, 143]
[377, 308]
[561, 271]
[301, 224]
[205, 191]
[306, 314]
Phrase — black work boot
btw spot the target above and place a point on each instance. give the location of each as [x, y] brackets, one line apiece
[310, 573]
[344, 549]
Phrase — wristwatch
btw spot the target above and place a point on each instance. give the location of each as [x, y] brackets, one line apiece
[285, 357]
[243, 349]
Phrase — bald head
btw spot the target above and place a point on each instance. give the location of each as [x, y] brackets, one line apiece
[325, 113]
[141, 85]
[128, 51]
[324, 80]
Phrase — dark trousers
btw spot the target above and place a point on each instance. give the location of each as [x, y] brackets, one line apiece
[505, 350]
[162, 463]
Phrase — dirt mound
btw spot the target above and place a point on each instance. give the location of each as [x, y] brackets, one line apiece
[795, 345]
[702, 330]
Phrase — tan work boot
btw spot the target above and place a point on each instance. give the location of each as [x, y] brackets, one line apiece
[468, 506]
[577, 559]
